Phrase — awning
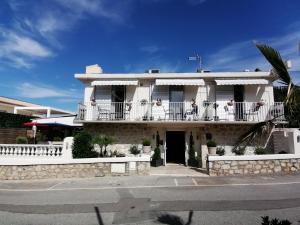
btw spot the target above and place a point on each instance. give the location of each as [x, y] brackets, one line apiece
[241, 81]
[114, 82]
[66, 121]
[188, 82]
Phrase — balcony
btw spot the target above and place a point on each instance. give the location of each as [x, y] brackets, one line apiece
[181, 111]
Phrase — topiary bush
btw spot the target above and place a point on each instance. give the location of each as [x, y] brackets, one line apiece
[239, 150]
[82, 146]
[156, 155]
[22, 140]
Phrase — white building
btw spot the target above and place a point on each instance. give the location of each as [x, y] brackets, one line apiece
[217, 105]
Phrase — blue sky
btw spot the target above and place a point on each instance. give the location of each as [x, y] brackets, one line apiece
[43, 43]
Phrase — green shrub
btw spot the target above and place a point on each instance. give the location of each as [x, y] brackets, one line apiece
[156, 155]
[220, 151]
[116, 153]
[22, 140]
[239, 150]
[146, 142]
[134, 150]
[261, 151]
[211, 143]
[82, 146]
[57, 139]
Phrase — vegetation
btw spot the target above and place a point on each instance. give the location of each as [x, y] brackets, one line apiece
[291, 97]
[57, 139]
[220, 151]
[266, 221]
[261, 151]
[134, 150]
[82, 146]
[146, 142]
[22, 140]
[117, 154]
[239, 150]
[192, 161]
[156, 155]
[9, 120]
[102, 141]
[211, 143]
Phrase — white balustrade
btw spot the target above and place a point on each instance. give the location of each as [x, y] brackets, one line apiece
[38, 151]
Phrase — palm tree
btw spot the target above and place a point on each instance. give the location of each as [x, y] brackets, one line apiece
[291, 101]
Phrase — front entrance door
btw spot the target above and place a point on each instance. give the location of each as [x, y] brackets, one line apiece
[175, 147]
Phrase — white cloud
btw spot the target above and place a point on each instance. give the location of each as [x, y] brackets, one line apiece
[19, 51]
[28, 90]
[244, 54]
[151, 49]
[35, 29]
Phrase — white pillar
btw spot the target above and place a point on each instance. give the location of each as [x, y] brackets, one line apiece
[67, 148]
[48, 112]
[15, 110]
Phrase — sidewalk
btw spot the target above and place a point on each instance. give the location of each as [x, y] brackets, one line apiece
[144, 182]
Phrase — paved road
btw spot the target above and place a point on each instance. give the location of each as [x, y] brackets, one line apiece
[142, 200]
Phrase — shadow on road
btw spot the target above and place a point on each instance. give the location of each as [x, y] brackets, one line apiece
[99, 218]
[174, 220]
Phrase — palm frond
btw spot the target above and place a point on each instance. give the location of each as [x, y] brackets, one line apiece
[275, 59]
[255, 131]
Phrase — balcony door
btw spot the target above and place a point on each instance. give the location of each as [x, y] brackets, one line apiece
[118, 99]
[176, 97]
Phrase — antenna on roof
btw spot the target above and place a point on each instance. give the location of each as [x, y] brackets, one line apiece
[197, 58]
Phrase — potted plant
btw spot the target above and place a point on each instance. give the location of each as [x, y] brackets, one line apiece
[134, 150]
[230, 103]
[212, 147]
[146, 146]
[158, 102]
[156, 158]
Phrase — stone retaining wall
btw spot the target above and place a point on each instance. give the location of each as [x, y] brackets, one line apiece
[75, 170]
[253, 167]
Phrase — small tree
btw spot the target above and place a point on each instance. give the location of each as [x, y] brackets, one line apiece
[82, 146]
[99, 140]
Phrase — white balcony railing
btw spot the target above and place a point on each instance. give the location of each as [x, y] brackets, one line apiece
[181, 111]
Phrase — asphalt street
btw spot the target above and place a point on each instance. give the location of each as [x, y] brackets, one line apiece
[148, 199]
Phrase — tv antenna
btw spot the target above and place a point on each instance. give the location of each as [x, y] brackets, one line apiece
[198, 59]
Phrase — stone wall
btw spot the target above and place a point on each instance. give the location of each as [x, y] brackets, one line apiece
[75, 170]
[124, 135]
[253, 167]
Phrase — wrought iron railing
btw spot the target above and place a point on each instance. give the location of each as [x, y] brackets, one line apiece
[181, 111]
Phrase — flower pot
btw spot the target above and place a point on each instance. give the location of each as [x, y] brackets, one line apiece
[146, 149]
[212, 150]
[157, 162]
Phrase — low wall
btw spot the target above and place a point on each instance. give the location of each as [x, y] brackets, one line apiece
[253, 164]
[26, 169]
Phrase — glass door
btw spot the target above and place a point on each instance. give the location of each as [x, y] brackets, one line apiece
[176, 105]
[118, 99]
